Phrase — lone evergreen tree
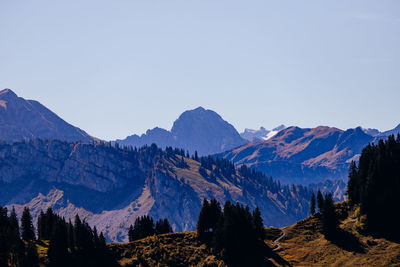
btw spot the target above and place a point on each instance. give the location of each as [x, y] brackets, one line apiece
[28, 232]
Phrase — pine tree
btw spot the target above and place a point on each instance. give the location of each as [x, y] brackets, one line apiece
[320, 201]
[102, 240]
[41, 225]
[329, 218]
[238, 238]
[143, 227]
[258, 224]
[58, 247]
[202, 225]
[353, 192]
[71, 241]
[28, 232]
[131, 234]
[32, 257]
[312, 204]
[163, 227]
[14, 227]
[78, 232]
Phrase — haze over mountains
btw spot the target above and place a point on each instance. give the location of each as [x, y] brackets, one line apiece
[46, 162]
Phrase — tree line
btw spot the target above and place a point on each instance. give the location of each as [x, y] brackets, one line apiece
[144, 226]
[326, 212]
[234, 232]
[69, 244]
[374, 185]
[13, 251]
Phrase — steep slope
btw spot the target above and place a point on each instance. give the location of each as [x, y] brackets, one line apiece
[198, 130]
[297, 155]
[22, 119]
[111, 187]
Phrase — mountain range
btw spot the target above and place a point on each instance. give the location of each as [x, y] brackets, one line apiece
[306, 155]
[297, 155]
[47, 162]
[110, 187]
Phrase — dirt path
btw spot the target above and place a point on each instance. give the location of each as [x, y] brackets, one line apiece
[276, 242]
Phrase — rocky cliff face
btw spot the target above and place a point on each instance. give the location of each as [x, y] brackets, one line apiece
[111, 187]
[22, 119]
[297, 155]
[198, 130]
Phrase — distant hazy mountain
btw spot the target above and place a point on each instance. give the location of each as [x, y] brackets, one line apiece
[371, 131]
[111, 187]
[385, 134]
[297, 155]
[22, 119]
[261, 134]
[336, 187]
[198, 130]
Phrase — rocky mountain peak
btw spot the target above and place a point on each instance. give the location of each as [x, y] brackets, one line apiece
[205, 131]
[199, 129]
[7, 94]
[22, 119]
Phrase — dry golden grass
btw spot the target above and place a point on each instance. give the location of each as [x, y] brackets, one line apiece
[178, 249]
[304, 245]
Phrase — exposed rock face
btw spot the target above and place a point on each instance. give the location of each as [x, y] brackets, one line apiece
[303, 156]
[198, 130]
[111, 187]
[22, 119]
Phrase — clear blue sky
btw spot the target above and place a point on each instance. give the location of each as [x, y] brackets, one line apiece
[114, 68]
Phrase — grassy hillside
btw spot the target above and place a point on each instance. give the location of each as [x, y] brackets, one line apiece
[177, 249]
[304, 245]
